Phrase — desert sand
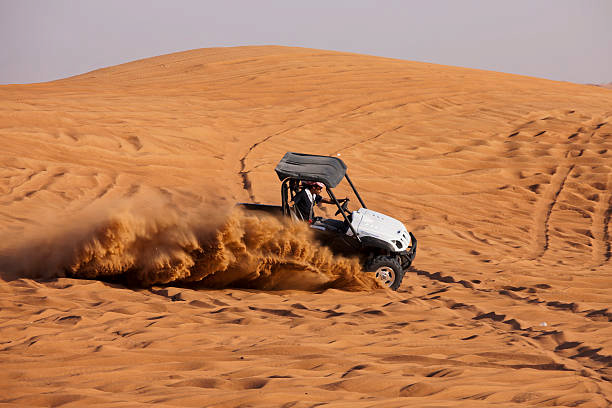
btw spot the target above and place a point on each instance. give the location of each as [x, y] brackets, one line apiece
[505, 180]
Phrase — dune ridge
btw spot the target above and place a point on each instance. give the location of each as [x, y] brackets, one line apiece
[505, 181]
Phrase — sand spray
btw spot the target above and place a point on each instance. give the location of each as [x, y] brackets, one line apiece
[146, 242]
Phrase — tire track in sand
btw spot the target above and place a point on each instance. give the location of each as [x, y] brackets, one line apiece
[395, 128]
[601, 222]
[244, 173]
[545, 208]
[569, 182]
[600, 229]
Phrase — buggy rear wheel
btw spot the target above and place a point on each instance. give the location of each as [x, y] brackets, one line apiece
[387, 269]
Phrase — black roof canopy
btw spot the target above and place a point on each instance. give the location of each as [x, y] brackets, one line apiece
[309, 167]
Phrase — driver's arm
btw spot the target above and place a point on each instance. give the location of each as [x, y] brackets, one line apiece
[329, 200]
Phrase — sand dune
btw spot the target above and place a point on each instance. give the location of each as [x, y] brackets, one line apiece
[505, 180]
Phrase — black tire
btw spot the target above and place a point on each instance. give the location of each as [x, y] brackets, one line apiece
[388, 270]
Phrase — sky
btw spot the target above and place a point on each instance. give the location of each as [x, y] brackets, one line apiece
[564, 40]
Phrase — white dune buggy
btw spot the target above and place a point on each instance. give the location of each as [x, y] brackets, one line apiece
[383, 244]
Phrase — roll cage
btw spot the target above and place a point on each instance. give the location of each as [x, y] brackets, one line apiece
[297, 167]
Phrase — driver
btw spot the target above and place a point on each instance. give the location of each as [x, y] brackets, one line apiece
[305, 200]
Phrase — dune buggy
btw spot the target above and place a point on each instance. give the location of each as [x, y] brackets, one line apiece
[382, 243]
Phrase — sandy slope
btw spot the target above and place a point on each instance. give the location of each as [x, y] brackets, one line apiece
[505, 180]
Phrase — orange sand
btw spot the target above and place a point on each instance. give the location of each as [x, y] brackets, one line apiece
[505, 180]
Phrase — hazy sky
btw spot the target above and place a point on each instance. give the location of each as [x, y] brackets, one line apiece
[42, 40]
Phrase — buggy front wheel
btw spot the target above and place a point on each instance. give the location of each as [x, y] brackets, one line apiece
[387, 269]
